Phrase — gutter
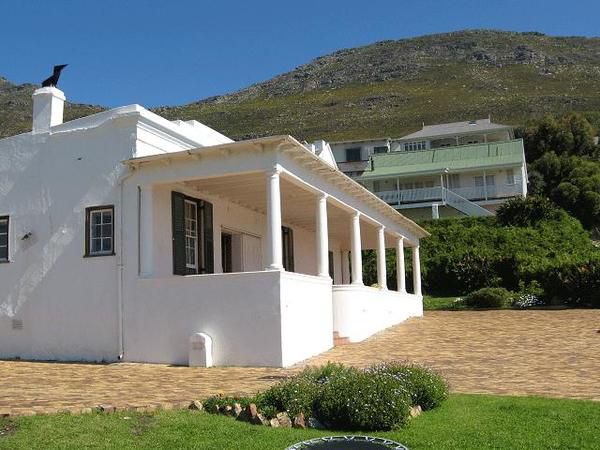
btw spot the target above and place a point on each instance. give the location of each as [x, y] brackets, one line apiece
[120, 265]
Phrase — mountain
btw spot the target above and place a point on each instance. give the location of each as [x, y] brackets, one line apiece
[16, 107]
[390, 88]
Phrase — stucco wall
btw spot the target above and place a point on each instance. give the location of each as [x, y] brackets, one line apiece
[67, 303]
[360, 311]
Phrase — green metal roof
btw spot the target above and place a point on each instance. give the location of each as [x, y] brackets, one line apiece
[464, 157]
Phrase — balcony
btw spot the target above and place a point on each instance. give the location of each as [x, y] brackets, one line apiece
[464, 199]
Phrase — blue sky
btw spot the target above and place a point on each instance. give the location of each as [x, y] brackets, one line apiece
[175, 52]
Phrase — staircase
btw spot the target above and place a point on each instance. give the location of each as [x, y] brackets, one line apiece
[464, 205]
[337, 340]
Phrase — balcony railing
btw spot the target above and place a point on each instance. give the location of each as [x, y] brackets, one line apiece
[460, 198]
[473, 193]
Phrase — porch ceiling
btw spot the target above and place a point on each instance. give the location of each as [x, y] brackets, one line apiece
[298, 205]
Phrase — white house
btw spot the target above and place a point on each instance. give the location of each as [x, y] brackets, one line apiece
[123, 235]
[452, 169]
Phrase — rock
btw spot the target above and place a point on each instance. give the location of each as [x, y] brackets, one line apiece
[106, 408]
[250, 414]
[415, 411]
[196, 405]
[228, 410]
[237, 409]
[314, 423]
[274, 423]
[284, 420]
[262, 420]
[4, 413]
[299, 421]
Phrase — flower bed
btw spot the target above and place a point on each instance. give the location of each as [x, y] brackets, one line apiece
[381, 397]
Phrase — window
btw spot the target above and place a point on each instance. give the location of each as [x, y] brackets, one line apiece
[192, 228]
[382, 149]
[227, 252]
[287, 238]
[414, 146]
[510, 177]
[490, 180]
[479, 181]
[191, 235]
[353, 154]
[100, 230]
[4, 239]
[454, 181]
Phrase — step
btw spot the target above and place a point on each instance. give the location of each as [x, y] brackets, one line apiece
[339, 340]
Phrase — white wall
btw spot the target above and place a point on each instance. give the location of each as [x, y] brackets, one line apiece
[68, 303]
[240, 312]
[306, 317]
[361, 311]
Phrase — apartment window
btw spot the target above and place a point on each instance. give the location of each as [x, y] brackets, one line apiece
[192, 228]
[490, 180]
[454, 181]
[4, 239]
[353, 154]
[287, 239]
[382, 149]
[510, 177]
[414, 146]
[479, 181]
[100, 230]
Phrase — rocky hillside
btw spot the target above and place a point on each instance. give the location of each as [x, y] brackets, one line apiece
[16, 106]
[391, 87]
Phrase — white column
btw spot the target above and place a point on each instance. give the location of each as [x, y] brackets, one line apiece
[146, 231]
[273, 236]
[381, 267]
[322, 237]
[400, 269]
[416, 260]
[357, 276]
[345, 267]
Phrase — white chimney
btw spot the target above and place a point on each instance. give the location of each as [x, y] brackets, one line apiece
[48, 106]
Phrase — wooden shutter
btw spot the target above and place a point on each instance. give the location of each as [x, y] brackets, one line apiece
[207, 236]
[178, 226]
[287, 239]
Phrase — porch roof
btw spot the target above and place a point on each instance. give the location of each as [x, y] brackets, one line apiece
[317, 166]
[464, 157]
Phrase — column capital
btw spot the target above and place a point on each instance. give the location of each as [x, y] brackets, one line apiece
[275, 170]
[356, 214]
[322, 195]
[400, 238]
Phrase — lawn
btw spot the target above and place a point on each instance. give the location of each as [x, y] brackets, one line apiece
[438, 303]
[463, 422]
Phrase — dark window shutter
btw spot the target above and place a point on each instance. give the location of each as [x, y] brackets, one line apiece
[287, 240]
[209, 254]
[178, 216]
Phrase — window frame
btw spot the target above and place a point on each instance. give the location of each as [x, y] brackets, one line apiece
[88, 235]
[7, 259]
[351, 150]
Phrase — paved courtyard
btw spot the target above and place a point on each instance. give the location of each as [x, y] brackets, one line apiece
[550, 353]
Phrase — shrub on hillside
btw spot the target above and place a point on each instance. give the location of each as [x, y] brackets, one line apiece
[360, 400]
[575, 283]
[427, 388]
[527, 212]
[488, 298]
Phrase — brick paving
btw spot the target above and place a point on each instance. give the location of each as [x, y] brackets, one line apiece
[550, 353]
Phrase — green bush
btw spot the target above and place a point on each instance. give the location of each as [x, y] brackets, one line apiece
[359, 400]
[297, 394]
[426, 387]
[488, 298]
[526, 212]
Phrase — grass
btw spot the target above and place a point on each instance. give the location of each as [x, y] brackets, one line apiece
[438, 303]
[463, 422]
